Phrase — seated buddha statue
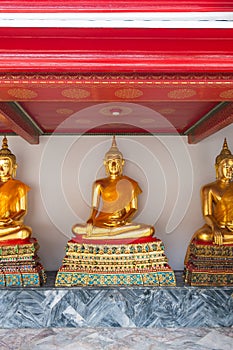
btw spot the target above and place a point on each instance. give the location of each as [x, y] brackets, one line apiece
[217, 203]
[114, 203]
[13, 198]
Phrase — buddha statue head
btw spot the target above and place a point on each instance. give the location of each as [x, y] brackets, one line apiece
[8, 164]
[113, 160]
[224, 162]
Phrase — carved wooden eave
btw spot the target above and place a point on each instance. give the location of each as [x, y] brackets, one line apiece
[19, 122]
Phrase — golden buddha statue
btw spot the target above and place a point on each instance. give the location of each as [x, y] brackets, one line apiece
[111, 250]
[13, 195]
[208, 261]
[217, 204]
[114, 203]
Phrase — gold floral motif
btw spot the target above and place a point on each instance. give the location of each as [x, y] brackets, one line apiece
[166, 111]
[22, 93]
[226, 94]
[128, 93]
[150, 278]
[102, 280]
[181, 93]
[65, 111]
[75, 93]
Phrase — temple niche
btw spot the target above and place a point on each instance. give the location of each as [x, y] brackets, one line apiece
[111, 249]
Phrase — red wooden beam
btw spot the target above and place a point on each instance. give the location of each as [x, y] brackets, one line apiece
[19, 122]
[115, 50]
[115, 5]
[71, 63]
[214, 121]
[116, 41]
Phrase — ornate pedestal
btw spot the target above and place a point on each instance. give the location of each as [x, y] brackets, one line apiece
[123, 262]
[210, 265]
[19, 263]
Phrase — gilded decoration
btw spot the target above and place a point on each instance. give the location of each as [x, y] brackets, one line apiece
[64, 111]
[180, 94]
[167, 111]
[92, 264]
[228, 94]
[22, 93]
[75, 93]
[128, 93]
[19, 264]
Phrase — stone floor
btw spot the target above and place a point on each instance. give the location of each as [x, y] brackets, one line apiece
[116, 339]
[195, 335]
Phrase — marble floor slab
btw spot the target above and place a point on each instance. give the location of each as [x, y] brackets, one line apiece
[117, 339]
[126, 307]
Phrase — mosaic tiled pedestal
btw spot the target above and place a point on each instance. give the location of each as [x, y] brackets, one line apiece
[209, 265]
[19, 264]
[140, 262]
[180, 306]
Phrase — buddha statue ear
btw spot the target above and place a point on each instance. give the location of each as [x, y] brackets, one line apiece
[14, 168]
[216, 171]
[106, 167]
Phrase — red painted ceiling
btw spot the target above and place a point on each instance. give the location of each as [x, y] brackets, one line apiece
[115, 80]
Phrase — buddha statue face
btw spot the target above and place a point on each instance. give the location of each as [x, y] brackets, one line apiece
[8, 164]
[225, 169]
[7, 168]
[113, 160]
[114, 166]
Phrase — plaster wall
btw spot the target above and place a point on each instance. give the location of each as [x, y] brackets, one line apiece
[61, 170]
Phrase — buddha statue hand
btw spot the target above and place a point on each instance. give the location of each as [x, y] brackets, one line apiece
[6, 221]
[6, 215]
[218, 236]
[89, 229]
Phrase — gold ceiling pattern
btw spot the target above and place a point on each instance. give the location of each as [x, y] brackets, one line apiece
[22, 93]
[181, 93]
[76, 93]
[226, 94]
[128, 93]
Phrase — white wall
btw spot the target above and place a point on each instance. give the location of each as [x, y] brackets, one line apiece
[61, 169]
